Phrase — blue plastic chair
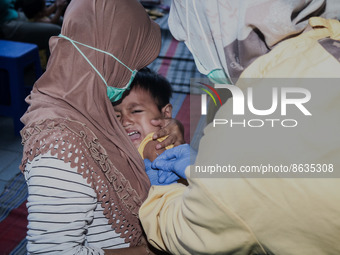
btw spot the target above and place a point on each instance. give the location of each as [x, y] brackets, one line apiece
[15, 57]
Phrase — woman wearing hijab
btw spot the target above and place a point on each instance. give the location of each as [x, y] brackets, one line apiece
[291, 207]
[85, 179]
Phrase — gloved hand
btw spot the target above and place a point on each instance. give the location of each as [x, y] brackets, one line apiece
[175, 160]
[153, 174]
[166, 177]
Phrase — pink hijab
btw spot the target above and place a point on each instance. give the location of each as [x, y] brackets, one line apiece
[71, 116]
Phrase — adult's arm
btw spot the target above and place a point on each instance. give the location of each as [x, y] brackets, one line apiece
[193, 221]
[200, 218]
[56, 10]
[60, 205]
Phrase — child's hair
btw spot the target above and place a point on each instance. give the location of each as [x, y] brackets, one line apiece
[32, 7]
[158, 86]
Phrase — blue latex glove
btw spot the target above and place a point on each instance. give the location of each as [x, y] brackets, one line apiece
[175, 160]
[153, 174]
[166, 177]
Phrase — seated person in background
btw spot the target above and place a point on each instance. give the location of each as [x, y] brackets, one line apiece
[37, 11]
[15, 26]
[148, 99]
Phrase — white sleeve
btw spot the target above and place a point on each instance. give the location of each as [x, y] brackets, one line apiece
[60, 204]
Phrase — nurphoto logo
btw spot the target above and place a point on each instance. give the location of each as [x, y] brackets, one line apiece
[243, 103]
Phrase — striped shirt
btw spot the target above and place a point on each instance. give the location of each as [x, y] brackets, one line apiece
[64, 214]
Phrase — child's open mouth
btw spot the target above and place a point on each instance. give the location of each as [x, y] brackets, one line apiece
[134, 135]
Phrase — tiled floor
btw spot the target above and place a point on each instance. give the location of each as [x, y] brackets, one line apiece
[10, 152]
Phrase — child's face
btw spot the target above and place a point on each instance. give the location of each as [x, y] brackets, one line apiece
[135, 113]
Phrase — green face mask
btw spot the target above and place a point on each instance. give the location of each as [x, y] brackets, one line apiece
[113, 93]
[218, 76]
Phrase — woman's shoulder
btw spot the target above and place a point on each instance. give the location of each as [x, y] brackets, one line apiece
[48, 170]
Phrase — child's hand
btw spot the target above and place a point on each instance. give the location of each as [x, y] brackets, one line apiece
[171, 127]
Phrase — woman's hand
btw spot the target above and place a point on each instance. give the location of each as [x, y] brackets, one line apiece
[171, 127]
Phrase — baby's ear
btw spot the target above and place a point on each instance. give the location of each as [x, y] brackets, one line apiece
[167, 111]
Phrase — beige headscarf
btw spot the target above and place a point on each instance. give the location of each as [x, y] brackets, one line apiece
[229, 35]
[71, 116]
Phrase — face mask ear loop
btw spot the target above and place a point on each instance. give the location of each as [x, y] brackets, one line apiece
[88, 46]
[88, 61]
